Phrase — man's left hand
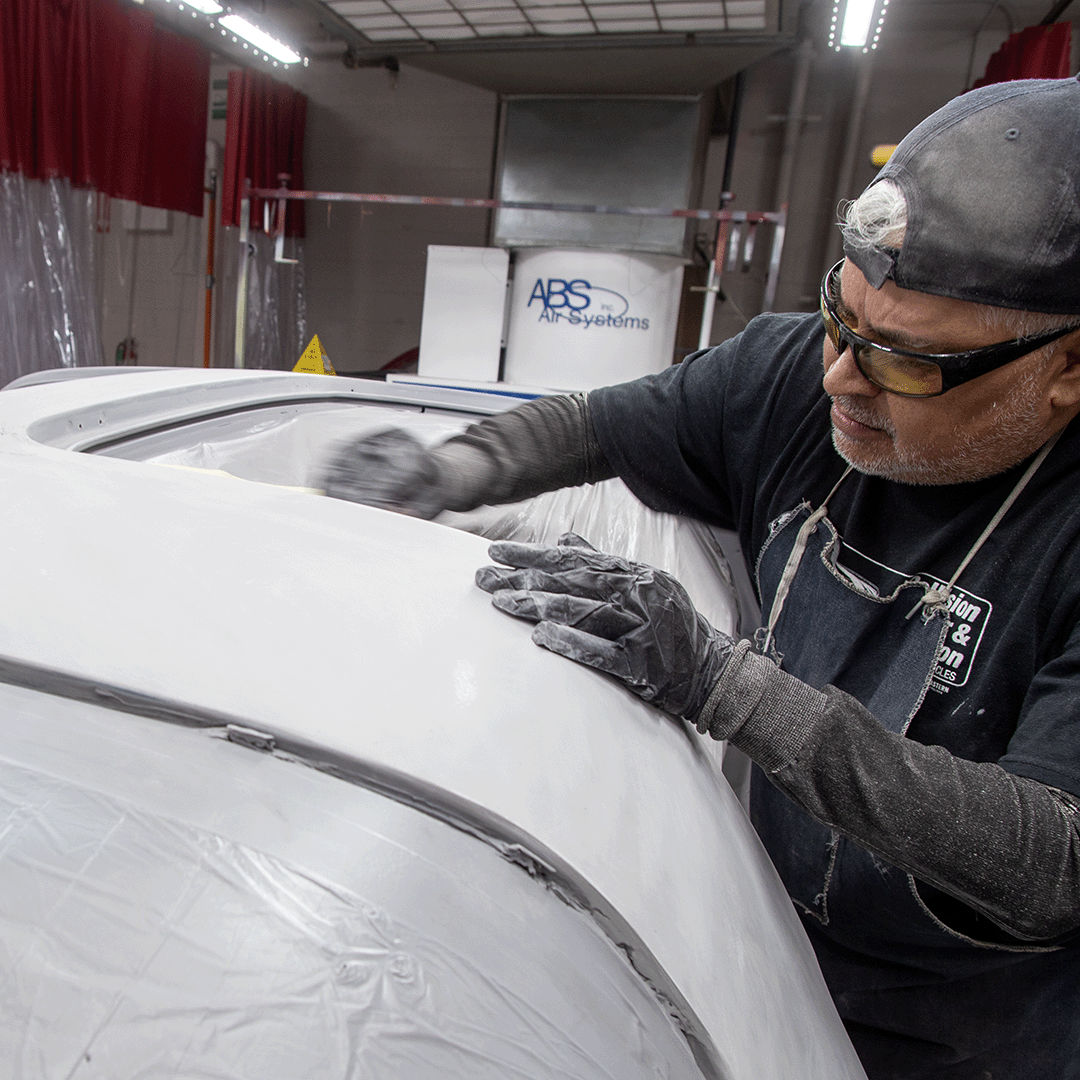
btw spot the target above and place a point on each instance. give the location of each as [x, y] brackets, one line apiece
[627, 619]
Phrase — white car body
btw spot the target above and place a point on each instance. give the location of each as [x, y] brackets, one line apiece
[282, 795]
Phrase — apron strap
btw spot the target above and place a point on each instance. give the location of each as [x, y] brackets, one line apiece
[792, 565]
[934, 597]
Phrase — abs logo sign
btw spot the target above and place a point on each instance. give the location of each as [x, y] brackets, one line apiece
[580, 303]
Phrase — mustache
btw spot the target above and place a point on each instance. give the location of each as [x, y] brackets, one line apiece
[858, 411]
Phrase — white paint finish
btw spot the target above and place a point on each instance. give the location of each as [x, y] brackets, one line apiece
[80, 413]
[582, 319]
[464, 304]
[362, 631]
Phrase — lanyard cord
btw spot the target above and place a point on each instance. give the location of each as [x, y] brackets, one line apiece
[934, 597]
[793, 560]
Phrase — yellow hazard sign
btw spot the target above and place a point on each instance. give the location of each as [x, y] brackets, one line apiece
[314, 361]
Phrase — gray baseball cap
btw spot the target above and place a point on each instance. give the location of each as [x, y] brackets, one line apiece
[992, 182]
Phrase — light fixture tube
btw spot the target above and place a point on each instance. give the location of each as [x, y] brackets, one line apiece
[857, 19]
[260, 39]
[207, 7]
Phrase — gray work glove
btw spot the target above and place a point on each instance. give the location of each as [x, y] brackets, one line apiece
[390, 470]
[621, 617]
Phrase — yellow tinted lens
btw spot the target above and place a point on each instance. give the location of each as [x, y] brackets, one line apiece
[900, 374]
[831, 328]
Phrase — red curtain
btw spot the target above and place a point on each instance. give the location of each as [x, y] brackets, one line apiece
[1039, 52]
[96, 91]
[264, 137]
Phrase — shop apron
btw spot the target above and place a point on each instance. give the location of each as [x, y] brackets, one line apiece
[819, 867]
[888, 941]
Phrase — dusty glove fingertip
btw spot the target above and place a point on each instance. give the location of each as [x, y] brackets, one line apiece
[573, 539]
[515, 602]
[489, 578]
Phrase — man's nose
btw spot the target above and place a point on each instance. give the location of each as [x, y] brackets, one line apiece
[842, 374]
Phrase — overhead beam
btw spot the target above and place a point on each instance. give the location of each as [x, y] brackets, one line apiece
[337, 26]
[1055, 12]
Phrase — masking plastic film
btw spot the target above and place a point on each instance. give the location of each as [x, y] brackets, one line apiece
[137, 946]
[48, 270]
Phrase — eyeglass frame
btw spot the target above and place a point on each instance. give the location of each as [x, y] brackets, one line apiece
[971, 362]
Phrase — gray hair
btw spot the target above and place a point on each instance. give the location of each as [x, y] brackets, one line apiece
[878, 218]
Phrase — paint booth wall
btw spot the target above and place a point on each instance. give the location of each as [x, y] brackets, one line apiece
[420, 133]
[153, 268]
[921, 63]
[413, 133]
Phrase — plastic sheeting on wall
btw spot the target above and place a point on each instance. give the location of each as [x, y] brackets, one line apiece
[276, 306]
[48, 273]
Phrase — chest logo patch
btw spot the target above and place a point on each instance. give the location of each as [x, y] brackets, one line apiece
[969, 614]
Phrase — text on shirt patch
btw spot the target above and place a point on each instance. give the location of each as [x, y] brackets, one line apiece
[969, 615]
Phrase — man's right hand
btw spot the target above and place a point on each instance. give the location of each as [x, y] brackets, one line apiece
[391, 470]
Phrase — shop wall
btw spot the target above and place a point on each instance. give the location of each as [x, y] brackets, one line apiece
[405, 133]
[918, 67]
[412, 132]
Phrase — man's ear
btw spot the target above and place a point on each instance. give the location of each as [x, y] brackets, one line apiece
[1065, 387]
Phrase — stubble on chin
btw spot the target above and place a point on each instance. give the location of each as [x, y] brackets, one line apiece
[1017, 432]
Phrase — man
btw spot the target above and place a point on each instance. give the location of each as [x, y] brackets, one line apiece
[912, 705]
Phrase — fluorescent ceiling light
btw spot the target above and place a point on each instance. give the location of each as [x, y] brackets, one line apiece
[857, 23]
[207, 7]
[260, 39]
[855, 31]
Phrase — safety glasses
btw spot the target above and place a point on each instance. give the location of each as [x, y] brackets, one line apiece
[915, 374]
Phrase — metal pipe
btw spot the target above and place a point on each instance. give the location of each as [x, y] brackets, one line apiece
[769, 300]
[275, 194]
[712, 287]
[863, 70]
[1055, 12]
[800, 81]
[279, 221]
[733, 136]
[208, 313]
[242, 277]
[130, 354]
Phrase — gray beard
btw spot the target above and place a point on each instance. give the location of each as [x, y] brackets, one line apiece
[1016, 434]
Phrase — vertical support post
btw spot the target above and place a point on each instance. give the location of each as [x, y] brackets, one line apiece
[773, 279]
[793, 125]
[864, 68]
[279, 222]
[712, 287]
[211, 223]
[242, 276]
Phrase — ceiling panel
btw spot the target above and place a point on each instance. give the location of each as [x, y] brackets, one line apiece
[584, 19]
